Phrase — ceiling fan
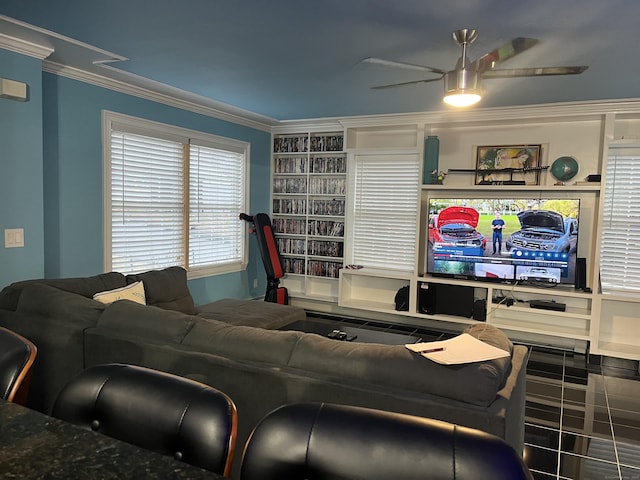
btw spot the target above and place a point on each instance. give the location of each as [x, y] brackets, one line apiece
[462, 84]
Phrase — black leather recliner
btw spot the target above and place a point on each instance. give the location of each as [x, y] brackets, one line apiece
[337, 442]
[155, 410]
[17, 355]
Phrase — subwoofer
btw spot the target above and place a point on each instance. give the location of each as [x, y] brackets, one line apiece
[446, 299]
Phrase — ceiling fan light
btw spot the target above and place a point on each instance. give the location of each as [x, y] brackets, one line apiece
[461, 88]
[462, 98]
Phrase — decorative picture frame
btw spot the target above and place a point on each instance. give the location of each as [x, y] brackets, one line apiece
[508, 165]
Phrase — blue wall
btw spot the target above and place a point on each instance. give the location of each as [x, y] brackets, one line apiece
[21, 170]
[71, 139]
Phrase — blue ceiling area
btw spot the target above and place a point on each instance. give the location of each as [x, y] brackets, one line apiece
[296, 59]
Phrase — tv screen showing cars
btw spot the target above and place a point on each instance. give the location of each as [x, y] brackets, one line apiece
[517, 239]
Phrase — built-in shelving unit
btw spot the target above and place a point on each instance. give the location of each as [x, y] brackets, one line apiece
[375, 290]
[308, 209]
[602, 324]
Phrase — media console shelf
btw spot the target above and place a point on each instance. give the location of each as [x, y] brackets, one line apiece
[375, 290]
[371, 289]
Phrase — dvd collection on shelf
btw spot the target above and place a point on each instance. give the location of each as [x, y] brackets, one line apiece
[319, 268]
[324, 248]
[290, 165]
[314, 267]
[327, 207]
[292, 144]
[297, 206]
[326, 143]
[294, 265]
[318, 228]
[328, 165]
[304, 143]
[318, 164]
[291, 246]
[326, 228]
[327, 186]
[290, 185]
[317, 186]
[320, 248]
[291, 226]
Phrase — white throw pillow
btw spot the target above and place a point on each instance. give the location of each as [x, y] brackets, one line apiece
[133, 292]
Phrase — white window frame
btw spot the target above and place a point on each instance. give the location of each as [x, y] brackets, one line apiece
[113, 121]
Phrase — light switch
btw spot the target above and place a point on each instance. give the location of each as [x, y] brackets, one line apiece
[13, 237]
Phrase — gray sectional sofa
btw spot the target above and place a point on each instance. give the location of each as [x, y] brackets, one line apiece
[234, 345]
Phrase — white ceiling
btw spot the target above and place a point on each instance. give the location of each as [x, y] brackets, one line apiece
[295, 59]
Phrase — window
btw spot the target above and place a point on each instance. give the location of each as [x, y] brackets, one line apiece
[173, 197]
[382, 218]
[620, 242]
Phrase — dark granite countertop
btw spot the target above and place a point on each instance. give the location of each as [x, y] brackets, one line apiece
[33, 445]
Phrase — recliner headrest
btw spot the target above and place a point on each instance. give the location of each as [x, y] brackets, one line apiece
[321, 441]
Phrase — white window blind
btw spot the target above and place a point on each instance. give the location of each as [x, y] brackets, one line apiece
[620, 242]
[146, 203]
[173, 197]
[384, 210]
[215, 201]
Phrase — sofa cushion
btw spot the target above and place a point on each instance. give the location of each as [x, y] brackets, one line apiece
[242, 343]
[85, 286]
[394, 366]
[166, 289]
[133, 292]
[252, 313]
[42, 300]
[132, 319]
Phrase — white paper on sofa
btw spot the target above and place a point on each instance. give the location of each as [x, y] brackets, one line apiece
[133, 292]
[464, 348]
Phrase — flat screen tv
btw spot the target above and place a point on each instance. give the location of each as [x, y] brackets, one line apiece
[522, 240]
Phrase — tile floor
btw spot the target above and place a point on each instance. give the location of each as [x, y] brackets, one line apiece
[582, 419]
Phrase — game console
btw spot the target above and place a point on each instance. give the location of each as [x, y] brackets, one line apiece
[548, 305]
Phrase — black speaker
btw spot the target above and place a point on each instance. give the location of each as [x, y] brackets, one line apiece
[581, 273]
[455, 300]
[427, 298]
[480, 310]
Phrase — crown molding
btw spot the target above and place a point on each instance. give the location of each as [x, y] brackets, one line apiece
[24, 48]
[533, 113]
[158, 92]
[500, 115]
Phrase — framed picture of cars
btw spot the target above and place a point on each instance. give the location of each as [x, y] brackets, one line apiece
[508, 165]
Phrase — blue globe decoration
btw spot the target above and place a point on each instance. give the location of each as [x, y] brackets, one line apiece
[564, 169]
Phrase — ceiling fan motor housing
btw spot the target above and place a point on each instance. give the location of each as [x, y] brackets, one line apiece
[461, 81]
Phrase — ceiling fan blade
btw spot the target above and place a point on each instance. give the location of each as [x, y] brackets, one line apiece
[394, 64]
[506, 51]
[393, 85]
[534, 72]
